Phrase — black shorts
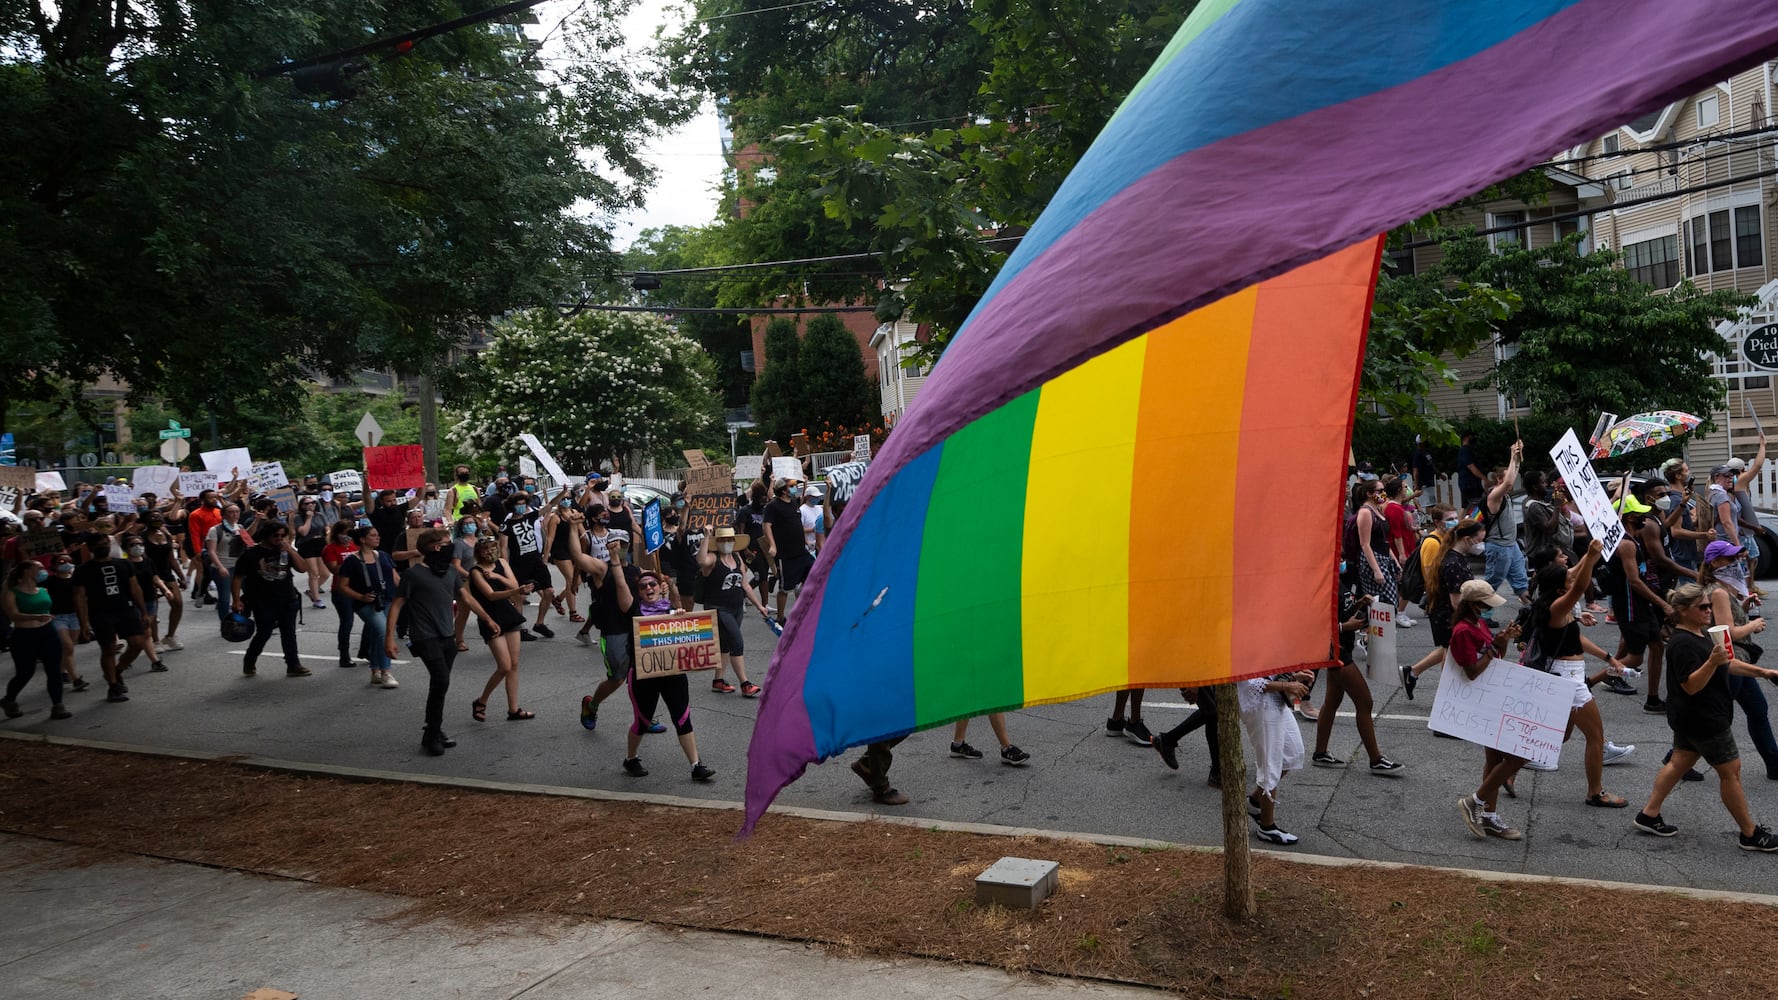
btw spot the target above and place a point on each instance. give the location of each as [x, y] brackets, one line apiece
[310, 548]
[794, 570]
[1441, 632]
[1716, 750]
[728, 632]
[533, 570]
[617, 655]
[108, 628]
[1639, 629]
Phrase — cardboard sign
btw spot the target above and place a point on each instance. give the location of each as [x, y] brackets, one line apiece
[1588, 494]
[156, 479]
[225, 462]
[410, 539]
[654, 531]
[347, 481]
[709, 497]
[395, 467]
[676, 644]
[267, 476]
[527, 466]
[1381, 640]
[695, 458]
[1511, 708]
[20, 477]
[843, 480]
[193, 483]
[544, 458]
[119, 498]
[787, 468]
[39, 542]
[9, 498]
[799, 444]
[285, 498]
[861, 447]
[749, 466]
[435, 510]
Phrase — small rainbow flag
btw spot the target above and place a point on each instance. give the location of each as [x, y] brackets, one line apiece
[1127, 469]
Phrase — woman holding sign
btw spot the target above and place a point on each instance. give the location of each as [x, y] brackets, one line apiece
[1473, 647]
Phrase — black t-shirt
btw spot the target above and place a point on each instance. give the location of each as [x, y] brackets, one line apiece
[1711, 710]
[750, 522]
[107, 585]
[786, 521]
[526, 534]
[1468, 483]
[622, 522]
[265, 575]
[61, 594]
[722, 587]
[606, 615]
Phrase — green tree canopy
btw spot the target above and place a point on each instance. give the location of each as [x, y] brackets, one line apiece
[834, 388]
[775, 391]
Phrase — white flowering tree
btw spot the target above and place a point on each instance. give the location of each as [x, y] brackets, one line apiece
[595, 386]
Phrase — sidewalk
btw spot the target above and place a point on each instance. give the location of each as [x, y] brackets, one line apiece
[78, 923]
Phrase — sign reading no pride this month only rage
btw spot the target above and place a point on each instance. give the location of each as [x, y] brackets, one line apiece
[675, 644]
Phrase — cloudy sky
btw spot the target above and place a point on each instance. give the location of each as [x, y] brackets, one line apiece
[689, 161]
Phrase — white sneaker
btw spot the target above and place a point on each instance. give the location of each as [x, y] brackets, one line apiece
[1532, 765]
[389, 680]
[1615, 754]
[1404, 621]
[172, 645]
[376, 678]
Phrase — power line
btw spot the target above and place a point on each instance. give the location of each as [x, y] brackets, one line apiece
[401, 42]
[761, 10]
[836, 259]
[709, 311]
[1660, 147]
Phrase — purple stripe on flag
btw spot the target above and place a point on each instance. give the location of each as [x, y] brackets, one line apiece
[783, 743]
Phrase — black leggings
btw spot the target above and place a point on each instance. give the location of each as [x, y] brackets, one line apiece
[31, 646]
[644, 694]
[275, 615]
[1205, 716]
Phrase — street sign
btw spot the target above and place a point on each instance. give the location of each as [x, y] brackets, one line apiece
[1760, 348]
[369, 431]
[175, 431]
[175, 449]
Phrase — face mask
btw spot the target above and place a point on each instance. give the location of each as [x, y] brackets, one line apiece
[530, 489]
[521, 510]
[469, 530]
[1451, 525]
[567, 505]
[725, 547]
[136, 551]
[327, 496]
[796, 491]
[141, 508]
[603, 522]
[438, 561]
[66, 568]
[462, 477]
[364, 522]
[812, 501]
[42, 575]
[672, 521]
[1342, 567]
[1664, 503]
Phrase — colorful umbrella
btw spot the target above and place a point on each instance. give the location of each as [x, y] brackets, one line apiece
[1644, 430]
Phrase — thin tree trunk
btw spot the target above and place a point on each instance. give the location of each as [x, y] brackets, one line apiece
[1237, 863]
[429, 425]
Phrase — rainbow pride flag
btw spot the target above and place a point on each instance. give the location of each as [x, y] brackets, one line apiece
[1127, 469]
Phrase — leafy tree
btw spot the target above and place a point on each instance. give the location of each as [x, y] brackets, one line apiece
[1415, 322]
[724, 337]
[592, 387]
[834, 388]
[211, 232]
[780, 380]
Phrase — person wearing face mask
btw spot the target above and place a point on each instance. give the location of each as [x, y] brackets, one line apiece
[153, 589]
[262, 582]
[1631, 580]
[309, 529]
[679, 556]
[814, 521]
[28, 607]
[1724, 579]
[369, 577]
[339, 546]
[723, 586]
[523, 533]
[110, 605]
[645, 694]
[389, 517]
[1441, 603]
[423, 599]
[461, 492]
[464, 536]
[555, 540]
[613, 584]
[226, 543]
[199, 523]
[60, 585]
[783, 526]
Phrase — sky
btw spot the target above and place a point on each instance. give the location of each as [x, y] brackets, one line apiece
[688, 160]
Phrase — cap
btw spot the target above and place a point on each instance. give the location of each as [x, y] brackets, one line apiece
[780, 484]
[815, 491]
[1724, 470]
[1721, 549]
[1631, 505]
[1737, 465]
[1478, 590]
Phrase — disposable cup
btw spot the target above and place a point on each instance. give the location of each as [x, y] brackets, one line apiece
[1720, 634]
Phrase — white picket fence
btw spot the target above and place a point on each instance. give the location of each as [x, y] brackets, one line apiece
[1763, 488]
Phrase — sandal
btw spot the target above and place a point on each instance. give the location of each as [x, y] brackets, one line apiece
[520, 714]
[577, 617]
[749, 689]
[478, 710]
[462, 647]
[556, 603]
[1606, 800]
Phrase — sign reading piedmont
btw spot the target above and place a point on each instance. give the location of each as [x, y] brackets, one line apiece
[1760, 348]
[1511, 708]
[675, 644]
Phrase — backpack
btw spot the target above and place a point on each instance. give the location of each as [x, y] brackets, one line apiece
[1412, 584]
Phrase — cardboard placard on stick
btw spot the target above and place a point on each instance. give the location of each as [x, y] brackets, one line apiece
[675, 644]
[1755, 416]
[395, 467]
[709, 498]
[20, 477]
[695, 458]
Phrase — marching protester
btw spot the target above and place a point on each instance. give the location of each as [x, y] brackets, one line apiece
[339, 546]
[1632, 585]
[556, 527]
[1473, 647]
[423, 597]
[1277, 744]
[1444, 566]
[523, 534]
[1347, 680]
[782, 522]
[111, 606]
[1725, 585]
[199, 523]
[34, 640]
[60, 585]
[1403, 539]
[262, 585]
[223, 547]
[464, 536]
[1203, 700]
[368, 580]
[723, 586]
[1009, 754]
[646, 692]
[609, 578]
[1505, 561]
[161, 549]
[309, 529]
[498, 589]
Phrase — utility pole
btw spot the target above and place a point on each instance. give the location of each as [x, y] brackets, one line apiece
[429, 424]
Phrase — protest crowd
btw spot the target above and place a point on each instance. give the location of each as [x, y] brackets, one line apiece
[111, 572]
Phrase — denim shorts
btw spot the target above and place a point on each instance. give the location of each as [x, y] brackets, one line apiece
[1503, 562]
[68, 623]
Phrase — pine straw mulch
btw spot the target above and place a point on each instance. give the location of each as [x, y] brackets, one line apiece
[1140, 916]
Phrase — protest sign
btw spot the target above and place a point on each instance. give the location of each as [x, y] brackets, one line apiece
[193, 483]
[9, 498]
[1510, 707]
[675, 644]
[268, 476]
[1381, 640]
[544, 458]
[119, 498]
[225, 462]
[843, 480]
[709, 497]
[787, 468]
[861, 447]
[749, 466]
[156, 479]
[695, 458]
[284, 497]
[347, 481]
[654, 532]
[799, 444]
[410, 540]
[50, 482]
[435, 510]
[39, 542]
[1588, 494]
[527, 466]
[20, 477]
[395, 467]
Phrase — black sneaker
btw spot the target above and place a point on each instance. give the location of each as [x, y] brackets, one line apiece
[1138, 732]
[965, 751]
[633, 767]
[1274, 835]
[1114, 727]
[543, 630]
[1013, 756]
[1693, 775]
[248, 669]
[298, 671]
[1321, 758]
[1660, 827]
[116, 692]
[1761, 839]
[526, 636]
[1383, 765]
[701, 773]
[1617, 685]
[1168, 750]
[1408, 681]
[1655, 706]
[157, 667]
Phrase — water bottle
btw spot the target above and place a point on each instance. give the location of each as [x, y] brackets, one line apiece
[776, 628]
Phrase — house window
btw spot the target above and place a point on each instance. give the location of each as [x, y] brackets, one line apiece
[1399, 262]
[1749, 245]
[1654, 262]
[1511, 239]
[1721, 241]
[1708, 111]
[1609, 145]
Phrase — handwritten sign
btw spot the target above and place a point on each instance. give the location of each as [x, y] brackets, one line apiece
[843, 480]
[544, 458]
[676, 644]
[861, 447]
[709, 497]
[20, 477]
[156, 479]
[50, 482]
[1510, 707]
[285, 498]
[120, 498]
[39, 542]
[347, 481]
[435, 510]
[527, 467]
[193, 483]
[749, 466]
[224, 462]
[799, 444]
[1589, 495]
[1381, 641]
[695, 458]
[395, 467]
[268, 476]
[787, 468]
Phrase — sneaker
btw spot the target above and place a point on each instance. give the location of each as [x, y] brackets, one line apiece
[174, 645]
[389, 680]
[1253, 807]
[1655, 706]
[543, 630]
[1138, 732]
[58, 712]
[701, 773]
[1273, 835]
[1693, 775]
[1408, 681]
[965, 751]
[654, 727]
[1655, 825]
[1322, 758]
[1761, 839]
[320, 605]
[1168, 751]
[721, 686]
[116, 693]
[633, 767]
[1532, 765]
[526, 636]
[1494, 826]
[1617, 685]
[81, 685]
[1471, 811]
[12, 710]
[589, 713]
[157, 667]
[1383, 765]
[749, 689]
[583, 638]
[298, 671]
[1403, 621]
[1013, 757]
[1114, 727]
[1615, 754]
[248, 669]
[1307, 711]
[1361, 651]
[376, 678]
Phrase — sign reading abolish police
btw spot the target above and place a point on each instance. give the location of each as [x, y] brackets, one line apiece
[709, 497]
[675, 644]
[1760, 348]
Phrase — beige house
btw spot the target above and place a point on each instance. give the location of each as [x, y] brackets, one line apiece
[1697, 223]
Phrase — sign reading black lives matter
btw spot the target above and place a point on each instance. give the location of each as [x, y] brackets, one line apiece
[1760, 348]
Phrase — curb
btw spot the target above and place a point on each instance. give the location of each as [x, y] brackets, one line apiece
[844, 816]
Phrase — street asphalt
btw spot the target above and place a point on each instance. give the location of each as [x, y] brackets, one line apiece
[1077, 779]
